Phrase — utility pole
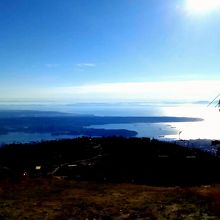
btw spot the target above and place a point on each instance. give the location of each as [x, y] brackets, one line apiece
[180, 134]
[218, 104]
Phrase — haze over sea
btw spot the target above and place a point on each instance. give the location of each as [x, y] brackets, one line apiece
[116, 54]
[207, 129]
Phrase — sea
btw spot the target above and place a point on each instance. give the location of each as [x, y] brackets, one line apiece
[209, 128]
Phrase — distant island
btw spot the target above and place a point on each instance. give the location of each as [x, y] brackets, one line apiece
[57, 123]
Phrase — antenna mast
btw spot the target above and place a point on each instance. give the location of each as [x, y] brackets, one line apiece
[218, 104]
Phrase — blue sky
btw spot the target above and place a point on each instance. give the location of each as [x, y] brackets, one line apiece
[65, 50]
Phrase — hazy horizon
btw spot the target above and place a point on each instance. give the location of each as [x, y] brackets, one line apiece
[105, 51]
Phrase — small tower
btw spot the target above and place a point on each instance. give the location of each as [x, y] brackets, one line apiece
[218, 104]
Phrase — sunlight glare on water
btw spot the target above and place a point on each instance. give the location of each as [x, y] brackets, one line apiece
[209, 128]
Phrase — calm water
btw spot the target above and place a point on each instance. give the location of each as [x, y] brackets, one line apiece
[21, 137]
[207, 129]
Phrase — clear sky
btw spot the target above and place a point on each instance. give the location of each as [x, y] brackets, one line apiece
[100, 50]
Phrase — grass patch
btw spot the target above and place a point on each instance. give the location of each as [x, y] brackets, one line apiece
[52, 199]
